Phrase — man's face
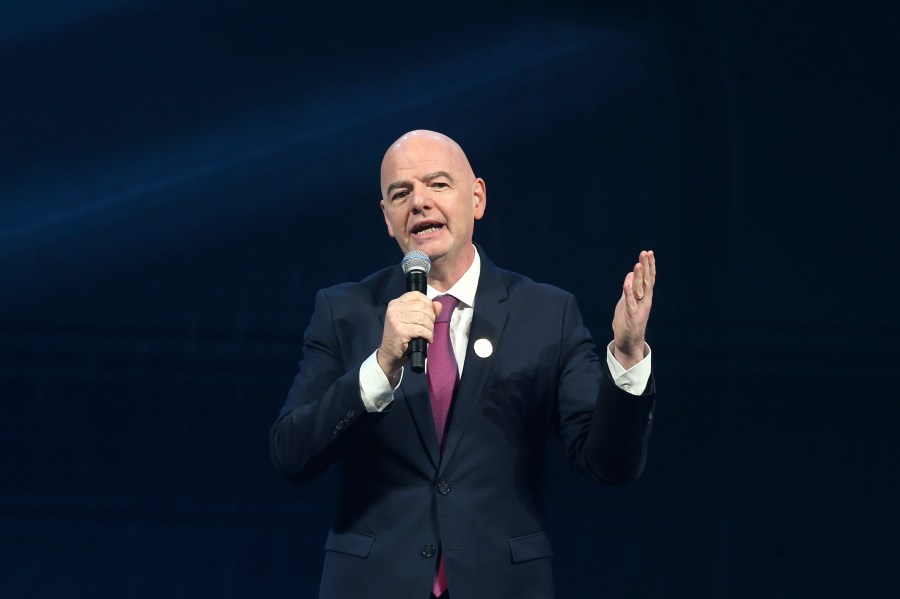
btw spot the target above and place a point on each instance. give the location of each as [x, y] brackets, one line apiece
[431, 198]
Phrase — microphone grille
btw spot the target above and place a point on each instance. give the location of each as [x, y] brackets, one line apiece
[416, 260]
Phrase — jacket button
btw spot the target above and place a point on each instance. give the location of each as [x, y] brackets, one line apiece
[351, 415]
[444, 487]
[428, 551]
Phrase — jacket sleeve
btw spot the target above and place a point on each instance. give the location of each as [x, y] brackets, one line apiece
[323, 415]
[605, 430]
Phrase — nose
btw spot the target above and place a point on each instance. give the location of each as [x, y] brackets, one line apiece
[420, 199]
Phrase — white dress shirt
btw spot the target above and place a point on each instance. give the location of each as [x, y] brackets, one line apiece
[375, 388]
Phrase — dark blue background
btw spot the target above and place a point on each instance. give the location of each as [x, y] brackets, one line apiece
[177, 179]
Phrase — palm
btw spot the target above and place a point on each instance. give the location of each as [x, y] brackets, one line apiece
[633, 308]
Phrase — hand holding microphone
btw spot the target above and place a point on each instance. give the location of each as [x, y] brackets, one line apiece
[409, 320]
[416, 265]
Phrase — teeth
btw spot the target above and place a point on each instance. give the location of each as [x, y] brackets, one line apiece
[428, 229]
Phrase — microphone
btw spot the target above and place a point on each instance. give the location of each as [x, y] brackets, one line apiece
[416, 265]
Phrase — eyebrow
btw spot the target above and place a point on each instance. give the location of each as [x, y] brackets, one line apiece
[397, 185]
[407, 183]
[436, 175]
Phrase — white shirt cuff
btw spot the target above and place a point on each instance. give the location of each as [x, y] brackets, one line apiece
[374, 387]
[635, 379]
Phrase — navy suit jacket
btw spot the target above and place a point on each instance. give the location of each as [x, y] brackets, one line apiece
[480, 501]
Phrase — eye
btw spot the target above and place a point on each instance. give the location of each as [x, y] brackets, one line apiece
[440, 184]
[399, 195]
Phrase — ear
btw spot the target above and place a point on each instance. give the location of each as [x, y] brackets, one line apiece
[479, 197]
[386, 219]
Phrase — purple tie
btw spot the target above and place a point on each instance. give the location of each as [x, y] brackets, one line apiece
[442, 372]
[442, 375]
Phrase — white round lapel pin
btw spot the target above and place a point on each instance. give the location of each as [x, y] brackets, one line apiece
[483, 348]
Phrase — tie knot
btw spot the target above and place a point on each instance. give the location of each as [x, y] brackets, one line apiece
[449, 304]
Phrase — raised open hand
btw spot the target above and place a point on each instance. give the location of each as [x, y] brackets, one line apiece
[633, 311]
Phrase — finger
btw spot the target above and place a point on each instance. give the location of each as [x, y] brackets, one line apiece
[418, 317]
[418, 331]
[437, 307]
[401, 318]
[628, 292]
[638, 282]
[413, 303]
[406, 331]
[414, 298]
[645, 271]
[648, 264]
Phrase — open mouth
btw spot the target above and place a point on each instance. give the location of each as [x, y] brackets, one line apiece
[426, 227]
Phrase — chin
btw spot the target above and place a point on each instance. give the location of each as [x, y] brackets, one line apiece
[434, 249]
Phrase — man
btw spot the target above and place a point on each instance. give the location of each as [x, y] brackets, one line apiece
[448, 501]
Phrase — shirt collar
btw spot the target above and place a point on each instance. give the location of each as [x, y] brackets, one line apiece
[465, 288]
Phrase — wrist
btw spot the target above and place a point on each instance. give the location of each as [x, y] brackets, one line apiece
[629, 356]
[390, 371]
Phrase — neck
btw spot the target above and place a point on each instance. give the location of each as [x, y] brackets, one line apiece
[444, 273]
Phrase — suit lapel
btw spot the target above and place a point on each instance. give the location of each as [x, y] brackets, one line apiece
[415, 395]
[488, 322]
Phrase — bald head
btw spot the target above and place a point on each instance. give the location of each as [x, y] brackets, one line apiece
[421, 145]
[431, 199]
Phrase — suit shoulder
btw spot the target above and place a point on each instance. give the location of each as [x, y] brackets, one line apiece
[369, 289]
[519, 284]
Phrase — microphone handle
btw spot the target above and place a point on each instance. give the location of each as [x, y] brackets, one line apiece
[417, 280]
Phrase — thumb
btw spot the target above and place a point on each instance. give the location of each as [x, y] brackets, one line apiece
[438, 306]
